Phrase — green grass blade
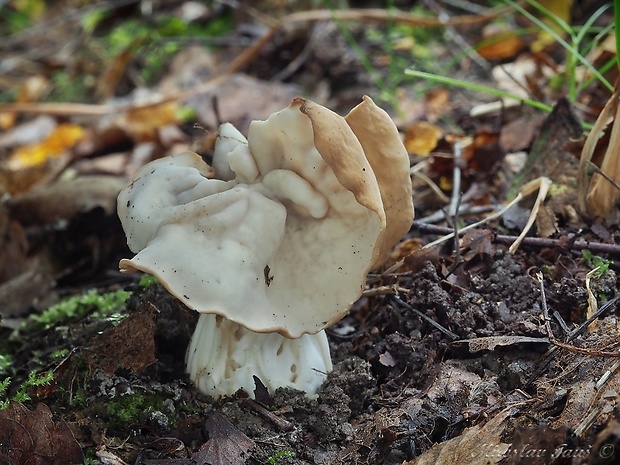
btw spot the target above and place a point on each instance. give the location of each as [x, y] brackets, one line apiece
[476, 87]
[569, 48]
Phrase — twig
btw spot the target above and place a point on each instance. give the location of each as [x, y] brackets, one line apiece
[279, 422]
[545, 309]
[578, 331]
[429, 320]
[603, 379]
[554, 341]
[463, 210]
[538, 242]
[457, 195]
[455, 199]
[383, 290]
[382, 15]
[497, 214]
[561, 322]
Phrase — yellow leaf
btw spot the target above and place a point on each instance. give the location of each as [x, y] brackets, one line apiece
[142, 124]
[560, 9]
[62, 138]
[445, 183]
[421, 138]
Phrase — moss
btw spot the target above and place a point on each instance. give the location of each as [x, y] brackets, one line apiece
[5, 362]
[147, 280]
[276, 458]
[34, 380]
[67, 87]
[77, 307]
[133, 410]
[595, 262]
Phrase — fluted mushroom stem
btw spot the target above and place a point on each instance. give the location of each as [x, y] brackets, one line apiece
[223, 357]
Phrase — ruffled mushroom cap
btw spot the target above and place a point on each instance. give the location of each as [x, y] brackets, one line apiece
[390, 162]
[285, 242]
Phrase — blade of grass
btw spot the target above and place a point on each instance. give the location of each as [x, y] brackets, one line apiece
[578, 38]
[568, 47]
[476, 87]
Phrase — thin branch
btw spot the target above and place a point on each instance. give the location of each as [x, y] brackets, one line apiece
[537, 242]
[429, 320]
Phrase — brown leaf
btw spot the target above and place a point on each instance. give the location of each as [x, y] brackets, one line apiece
[479, 241]
[130, 345]
[20, 293]
[233, 96]
[542, 445]
[478, 445]
[226, 445]
[33, 438]
[520, 132]
[547, 156]
[602, 195]
[489, 343]
[501, 46]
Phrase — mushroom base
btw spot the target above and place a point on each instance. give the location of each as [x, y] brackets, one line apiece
[223, 357]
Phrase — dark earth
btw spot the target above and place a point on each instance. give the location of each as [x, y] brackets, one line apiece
[399, 386]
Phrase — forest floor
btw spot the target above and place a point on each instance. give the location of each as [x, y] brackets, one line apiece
[476, 350]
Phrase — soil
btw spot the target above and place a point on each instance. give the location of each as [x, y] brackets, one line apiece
[400, 384]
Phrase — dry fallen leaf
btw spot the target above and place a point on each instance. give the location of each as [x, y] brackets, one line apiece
[543, 445]
[143, 124]
[602, 195]
[33, 438]
[233, 95]
[421, 138]
[129, 346]
[489, 343]
[499, 43]
[519, 133]
[478, 445]
[555, 13]
[62, 138]
[226, 445]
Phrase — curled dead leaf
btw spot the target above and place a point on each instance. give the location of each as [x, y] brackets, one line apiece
[226, 445]
[34, 438]
[478, 445]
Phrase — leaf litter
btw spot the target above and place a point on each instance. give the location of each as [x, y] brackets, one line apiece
[445, 359]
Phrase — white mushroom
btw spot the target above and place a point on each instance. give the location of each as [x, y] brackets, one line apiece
[279, 247]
